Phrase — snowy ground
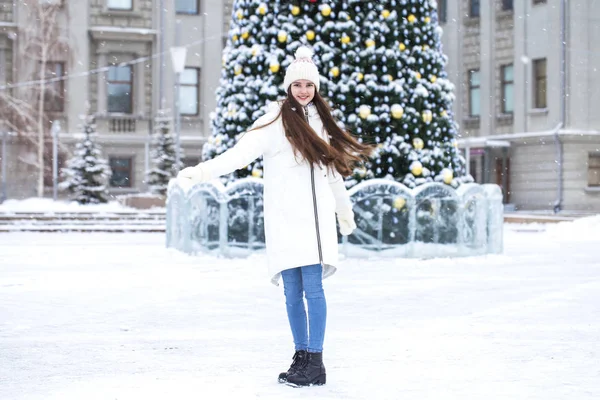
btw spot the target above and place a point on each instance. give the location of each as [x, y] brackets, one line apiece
[118, 316]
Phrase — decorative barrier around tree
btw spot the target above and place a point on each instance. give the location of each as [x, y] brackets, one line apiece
[432, 220]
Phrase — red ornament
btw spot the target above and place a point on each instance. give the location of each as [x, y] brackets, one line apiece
[312, 1]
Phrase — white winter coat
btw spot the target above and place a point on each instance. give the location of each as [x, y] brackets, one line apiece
[289, 216]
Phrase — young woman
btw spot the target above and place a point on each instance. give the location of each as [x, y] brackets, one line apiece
[305, 155]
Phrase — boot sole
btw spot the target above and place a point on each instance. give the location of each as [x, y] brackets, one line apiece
[320, 381]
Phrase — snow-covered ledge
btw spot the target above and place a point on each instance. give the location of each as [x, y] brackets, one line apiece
[432, 220]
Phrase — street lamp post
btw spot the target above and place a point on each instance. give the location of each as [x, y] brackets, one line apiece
[55, 131]
[178, 55]
[3, 191]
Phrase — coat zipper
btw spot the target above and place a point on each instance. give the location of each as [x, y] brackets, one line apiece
[312, 181]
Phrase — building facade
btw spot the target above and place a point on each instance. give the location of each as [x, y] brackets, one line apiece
[525, 71]
[527, 85]
[114, 64]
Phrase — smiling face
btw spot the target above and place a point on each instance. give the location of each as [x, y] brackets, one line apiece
[303, 91]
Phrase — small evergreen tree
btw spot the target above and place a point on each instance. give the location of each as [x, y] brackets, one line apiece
[86, 173]
[163, 155]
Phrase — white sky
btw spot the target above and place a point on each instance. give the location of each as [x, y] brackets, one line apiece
[118, 316]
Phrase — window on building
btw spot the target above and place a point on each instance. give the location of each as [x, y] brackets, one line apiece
[474, 8]
[189, 92]
[187, 6]
[54, 92]
[474, 93]
[508, 88]
[540, 83]
[538, 1]
[120, 4]
[442, 10]
[120, 89]
[122, 171]
[507, 4]
[594, 169]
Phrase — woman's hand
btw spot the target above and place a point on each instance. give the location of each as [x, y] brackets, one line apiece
[195, 174]
[346, 221]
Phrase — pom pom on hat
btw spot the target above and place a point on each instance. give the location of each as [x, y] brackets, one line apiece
[302, 67]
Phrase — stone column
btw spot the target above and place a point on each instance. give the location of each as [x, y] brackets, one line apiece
[487, 62]
[102, 76]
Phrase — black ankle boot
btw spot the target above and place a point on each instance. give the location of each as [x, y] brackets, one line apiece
[299, 358]
[311, 373]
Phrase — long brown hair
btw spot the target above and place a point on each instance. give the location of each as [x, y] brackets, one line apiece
[343, 152]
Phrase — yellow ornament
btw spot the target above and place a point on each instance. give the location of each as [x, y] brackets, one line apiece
[427, 116]
[389, 77]
[427, 19]
[369, 42]
[256, 173]
[385, 13]
[310, 35]
[433, 78]
[359, 76]
[418, 75]
[397, 111]
[218, 141]
[295, 10]
[282, 36]
[255, 50]
[412, 19]
[362, 172]
[447, 175]
[262, 9]
[402, 46]
[239, 14]
[326, 10]
[399, 203]
[425, 47]
[364, 111]
[418, 143]
[416, 168]
[335, 72]
[237, 69]
[345, 39]
[274, 67]
[455, 143]
[245, 35]
[444, 113]
[234, 38]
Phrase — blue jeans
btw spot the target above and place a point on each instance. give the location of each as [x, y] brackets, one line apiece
[306, 281]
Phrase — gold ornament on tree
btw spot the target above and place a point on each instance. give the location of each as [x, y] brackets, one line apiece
[310, 35]
[237, 69]
[402, 46]
[418, 143]
[399, 203]
[335, 72]
[262, 9]
[369, 43]
[427, 116]
[274, 67]
[326, 10]
[416, 168]
[345, 39]
[364, 111]
[397, 111]
[385, 13]
[447, 175]
[256, 173]
[282, 36]
[239, 14]
[295, 10]
[412, 19]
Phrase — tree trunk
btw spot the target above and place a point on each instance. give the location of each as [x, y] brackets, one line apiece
[41, 136]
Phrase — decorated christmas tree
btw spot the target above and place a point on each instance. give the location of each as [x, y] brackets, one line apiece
[383, 71]
[86, 174]
[163, 155]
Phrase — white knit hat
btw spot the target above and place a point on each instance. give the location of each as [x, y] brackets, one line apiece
[302, 67]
